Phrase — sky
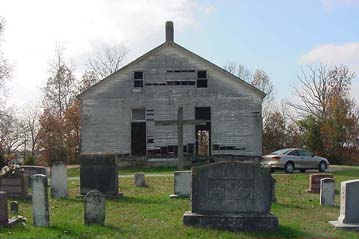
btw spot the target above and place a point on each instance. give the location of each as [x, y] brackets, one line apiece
[279, 36]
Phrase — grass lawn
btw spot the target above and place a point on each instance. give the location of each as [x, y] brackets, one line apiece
[75, 172]
[149, 213]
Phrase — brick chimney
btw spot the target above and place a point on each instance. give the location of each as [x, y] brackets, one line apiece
[169, 31]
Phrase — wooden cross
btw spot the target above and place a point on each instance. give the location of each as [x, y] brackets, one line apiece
[180, 122]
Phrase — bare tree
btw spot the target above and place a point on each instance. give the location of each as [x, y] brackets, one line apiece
[316, 87]
[60, 88]
[5, 67]
[31, 114]
[11, 138]
[262, 81]
[107, 60]
[239, 70]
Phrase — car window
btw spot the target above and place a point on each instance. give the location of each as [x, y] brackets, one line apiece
[280, 152]
[304, 153]
[294, 153]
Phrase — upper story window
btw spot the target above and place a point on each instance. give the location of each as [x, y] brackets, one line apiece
[138, 79]
[201, 79]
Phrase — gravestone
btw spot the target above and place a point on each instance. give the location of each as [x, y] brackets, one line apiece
[140, 180]
[4, 213]
[15, 187]
[58, 180]
[95, 208]
[234, 195]
[327, 192]
[314, 181]
[349, 206]
[182, 184]
[99, 172]
[40, 203]
[274, 198]
[30, 170]
[14, 208]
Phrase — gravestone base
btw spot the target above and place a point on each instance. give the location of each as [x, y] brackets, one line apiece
[232, 222]
[347, 226]
[173, 196]
[112, 196]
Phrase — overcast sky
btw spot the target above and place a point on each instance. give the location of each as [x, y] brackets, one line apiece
[276, 36]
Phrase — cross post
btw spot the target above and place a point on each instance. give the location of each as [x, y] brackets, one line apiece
[180, 122]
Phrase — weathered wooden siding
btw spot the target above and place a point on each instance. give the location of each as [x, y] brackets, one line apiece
[235, 108]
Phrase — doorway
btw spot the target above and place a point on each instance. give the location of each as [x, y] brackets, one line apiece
[138, 138]
[203, 132]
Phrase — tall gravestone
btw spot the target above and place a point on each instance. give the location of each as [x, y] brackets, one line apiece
[182, 184]
[58, 180]
[40, 203]
[349, 206]
[99, 172]
[95, 208]
[327, 192]
[4, 212]
[236, 196]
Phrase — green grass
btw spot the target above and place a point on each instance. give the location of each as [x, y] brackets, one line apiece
[75, 172]
[149, 213]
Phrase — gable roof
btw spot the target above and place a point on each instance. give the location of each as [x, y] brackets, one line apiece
[173, 44]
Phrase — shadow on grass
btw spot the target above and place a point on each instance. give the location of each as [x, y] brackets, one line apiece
[140, 200]
[282, 232]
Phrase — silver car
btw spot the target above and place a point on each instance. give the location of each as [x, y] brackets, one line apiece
[295, 158]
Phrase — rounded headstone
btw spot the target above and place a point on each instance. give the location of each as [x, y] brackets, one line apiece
[327, 191]
[95, 208]
[40, 204]
[14, 207]
[140, 180]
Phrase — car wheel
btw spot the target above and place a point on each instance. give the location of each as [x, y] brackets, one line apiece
[289, 167]
[322, 167]
[302, 170]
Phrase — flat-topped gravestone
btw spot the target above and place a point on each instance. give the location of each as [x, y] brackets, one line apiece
[99, 172]
[58, 180]
[314, 181]
[327, 192]
[95, 208]
[182, 184]
[4, 213]
[40, 203]
[140, 180]
[15, 187]
[349, 206]
[30, 170]
[236, 196]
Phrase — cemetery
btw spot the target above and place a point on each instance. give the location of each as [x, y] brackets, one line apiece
[149, 212]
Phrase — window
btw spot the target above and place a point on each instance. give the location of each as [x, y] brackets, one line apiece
[138, 115]
[294, 153]
[304, 153]
[201, 79]
[138, 79]
[203, 113]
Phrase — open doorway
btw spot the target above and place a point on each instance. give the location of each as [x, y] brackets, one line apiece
[203, 132]
[138, 133]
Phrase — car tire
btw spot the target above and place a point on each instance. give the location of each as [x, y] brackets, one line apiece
[322, 167]
[302, 170]
[289, 167]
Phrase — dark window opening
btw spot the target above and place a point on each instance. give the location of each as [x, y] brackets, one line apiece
[138, 75]
[138, 79]
[202, 74]
[202, 83]
[203, 113]
[150, 141]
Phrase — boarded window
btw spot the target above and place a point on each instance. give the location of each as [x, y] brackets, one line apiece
[138, 115]
[138, 79]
